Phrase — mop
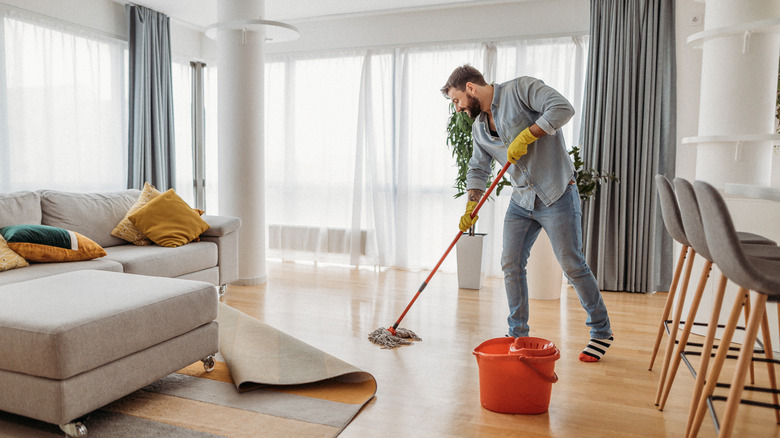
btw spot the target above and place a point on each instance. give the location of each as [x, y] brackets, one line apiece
[394, 336]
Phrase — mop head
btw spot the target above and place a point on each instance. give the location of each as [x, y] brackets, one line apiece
[383, 337]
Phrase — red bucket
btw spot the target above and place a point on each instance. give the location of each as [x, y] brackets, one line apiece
[516, 374]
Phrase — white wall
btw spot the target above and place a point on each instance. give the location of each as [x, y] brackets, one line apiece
[102, 15]
[688, 86]
[457, 23]
[109, 17]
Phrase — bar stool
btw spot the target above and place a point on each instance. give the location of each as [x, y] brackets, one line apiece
[694, 230]
[760, 275]
[670, 212]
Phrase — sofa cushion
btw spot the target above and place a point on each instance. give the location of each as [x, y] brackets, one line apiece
[20, 208]
[125, 229]
[164, 262]
[42, 243]
[40, 270]
[9, 259]
[91, 214]
[70, 323]
[168, 221]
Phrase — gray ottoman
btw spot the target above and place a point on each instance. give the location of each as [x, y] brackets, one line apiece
[71, 343]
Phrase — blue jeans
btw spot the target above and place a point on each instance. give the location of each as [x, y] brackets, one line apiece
[563, 223]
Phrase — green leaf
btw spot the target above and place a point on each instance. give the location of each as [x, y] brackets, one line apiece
[589, 180]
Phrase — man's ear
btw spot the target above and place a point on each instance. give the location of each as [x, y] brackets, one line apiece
[471, 88]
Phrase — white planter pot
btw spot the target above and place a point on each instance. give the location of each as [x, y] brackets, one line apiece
[469, 252]
[545, 276]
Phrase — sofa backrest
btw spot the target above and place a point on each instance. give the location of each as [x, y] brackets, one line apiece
[20, 208]
[92, 214]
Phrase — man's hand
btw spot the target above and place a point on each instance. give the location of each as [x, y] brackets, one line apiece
[466, 221]
[519, 145]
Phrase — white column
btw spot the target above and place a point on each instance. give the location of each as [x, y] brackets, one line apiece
[738, 92]
[241, 133]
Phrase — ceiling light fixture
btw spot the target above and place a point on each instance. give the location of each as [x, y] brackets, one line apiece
[275, 31]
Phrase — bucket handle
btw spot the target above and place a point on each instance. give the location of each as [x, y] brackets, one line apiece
[551, 379]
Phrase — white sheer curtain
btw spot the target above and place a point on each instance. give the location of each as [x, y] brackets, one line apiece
[311, 124]
[62, 106]
[210, 104]
[373, 189]
[357, 168]
[427, 213]
[355, 157]
[560, 63]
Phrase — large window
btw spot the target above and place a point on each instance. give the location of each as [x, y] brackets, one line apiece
[357, 168]
[62, 107]
[311, 121]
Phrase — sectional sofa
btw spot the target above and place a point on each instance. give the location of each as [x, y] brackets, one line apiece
[213, 259]
[77, 335]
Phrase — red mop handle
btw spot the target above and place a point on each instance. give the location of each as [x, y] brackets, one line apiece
[457, 237]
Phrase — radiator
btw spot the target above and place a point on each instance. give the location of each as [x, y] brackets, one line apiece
[313, 239]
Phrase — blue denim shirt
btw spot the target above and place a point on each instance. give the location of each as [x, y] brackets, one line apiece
[546, 169]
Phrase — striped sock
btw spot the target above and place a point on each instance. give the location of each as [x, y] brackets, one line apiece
[595, 349]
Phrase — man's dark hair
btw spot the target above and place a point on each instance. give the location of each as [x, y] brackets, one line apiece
[460, 76]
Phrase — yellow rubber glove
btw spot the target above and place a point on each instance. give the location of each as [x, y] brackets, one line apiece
[466, 221]
[519, 145]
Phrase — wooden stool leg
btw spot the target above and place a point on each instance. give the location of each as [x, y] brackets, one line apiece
[770, 366]
[675, 326]
[668, 304]
[752, 368]
[706, 351]
[705, 273]
[717, 364]
[740, 373]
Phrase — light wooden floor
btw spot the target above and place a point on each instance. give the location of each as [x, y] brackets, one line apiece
[431, 389]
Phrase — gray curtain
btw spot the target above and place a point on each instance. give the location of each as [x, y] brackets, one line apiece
[629, 130]
[151, 141]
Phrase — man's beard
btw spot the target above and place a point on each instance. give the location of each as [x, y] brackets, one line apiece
[473, 107]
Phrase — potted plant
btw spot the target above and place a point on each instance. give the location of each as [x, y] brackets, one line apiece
[588, 180]
[470, 246]
[459, 139]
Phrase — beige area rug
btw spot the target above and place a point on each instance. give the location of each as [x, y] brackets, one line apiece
[267, 383]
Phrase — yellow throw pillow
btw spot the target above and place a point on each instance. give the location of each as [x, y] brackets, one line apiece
[42, 243]
[168, 221]
[8, 258]
[125, 230]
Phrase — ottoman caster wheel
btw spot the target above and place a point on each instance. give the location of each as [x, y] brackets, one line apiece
[74, 429]
[209, 363]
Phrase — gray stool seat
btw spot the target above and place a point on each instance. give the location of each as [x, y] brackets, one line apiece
[756, 239]
[767, 252]
[769, 282]
[73, 342]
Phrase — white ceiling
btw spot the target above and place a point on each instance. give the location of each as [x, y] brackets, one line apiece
[202, 13]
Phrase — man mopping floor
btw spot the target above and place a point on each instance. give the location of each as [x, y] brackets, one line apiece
[519, 122]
